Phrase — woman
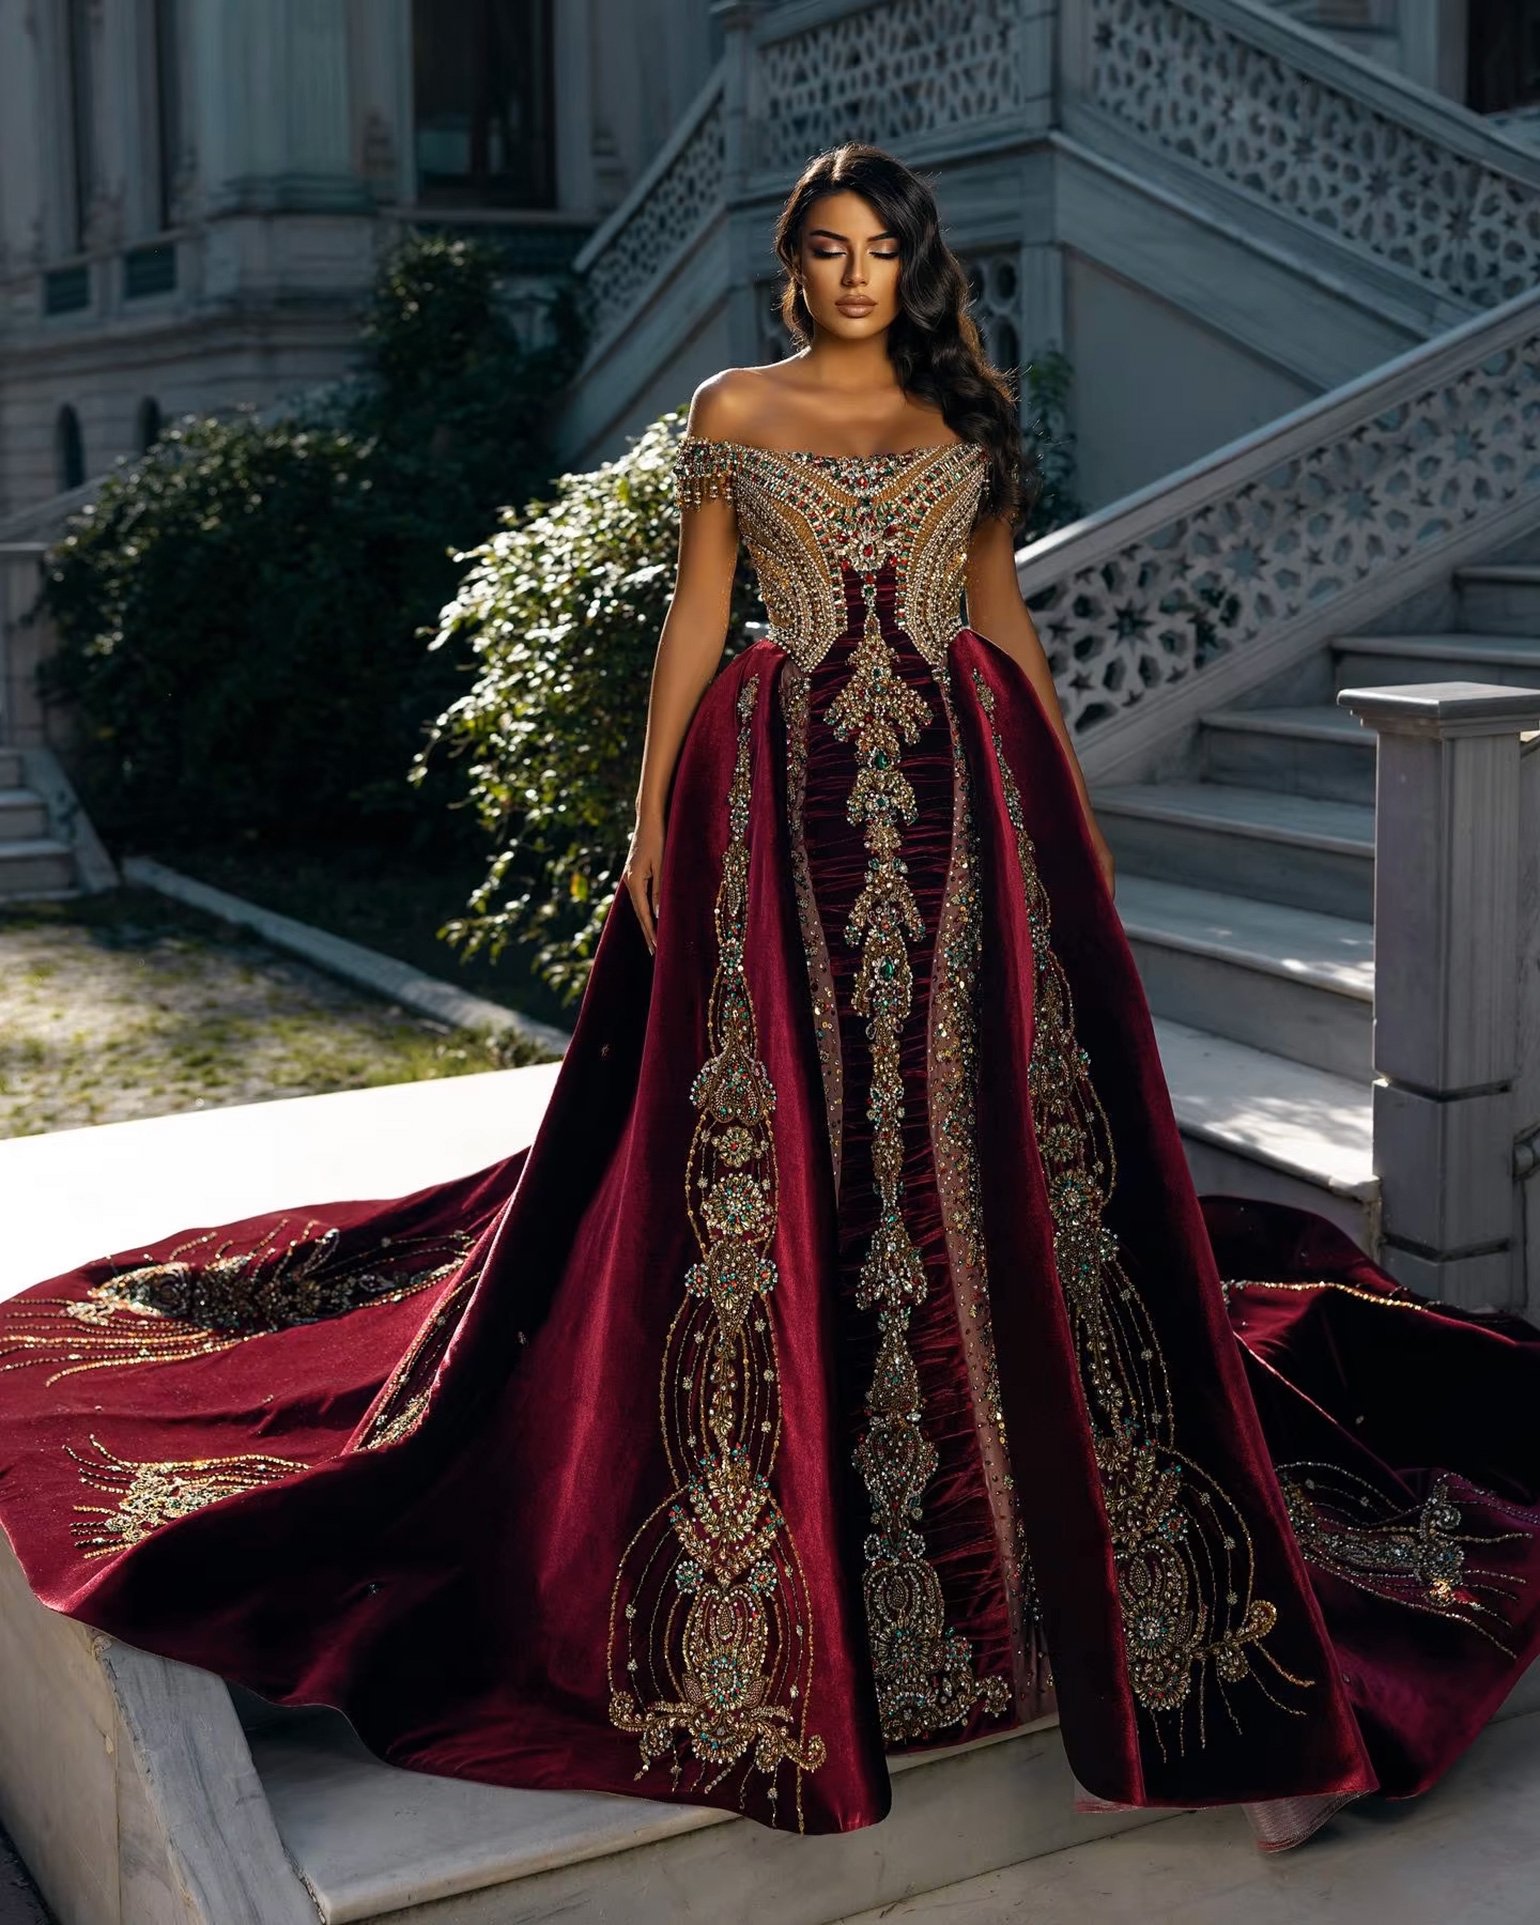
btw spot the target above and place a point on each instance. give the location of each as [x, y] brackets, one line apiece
[846, 1368]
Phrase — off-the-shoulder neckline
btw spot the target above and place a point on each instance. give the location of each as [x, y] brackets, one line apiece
[820, 454]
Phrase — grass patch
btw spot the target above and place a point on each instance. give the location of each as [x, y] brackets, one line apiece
[389, 901]
[124, 1004]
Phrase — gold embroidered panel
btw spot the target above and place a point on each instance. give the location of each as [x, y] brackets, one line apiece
[924, 1671]
[711, 1639]
[1184, 1555]
[806, 518]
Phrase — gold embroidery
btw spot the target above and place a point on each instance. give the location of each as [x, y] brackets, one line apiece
[733, 1677]
[195, 1304]
[1409, 1554]
[1184, 1556]
[951, 1075]
[924, 1673]
[794, 706]
[146, 1494]
[402, 1401]
[1384, 1300]
[806, 517]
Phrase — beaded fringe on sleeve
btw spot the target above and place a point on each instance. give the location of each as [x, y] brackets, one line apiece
[705, 468]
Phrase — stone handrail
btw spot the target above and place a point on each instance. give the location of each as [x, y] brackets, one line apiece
[1291, 532]
[682, 191]
[924, 76]
[1316, 133]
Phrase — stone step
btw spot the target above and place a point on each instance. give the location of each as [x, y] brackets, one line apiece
[12, 774]
[1290, 981]
[36, 867]
[1318, 749]
[1258, 1124]
[1464, 1853]
[1368, 661]
[1305, 851]
[23, 815]
[1500, 597]
[372, 1841]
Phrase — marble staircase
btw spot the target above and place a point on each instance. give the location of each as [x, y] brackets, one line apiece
[1245, 881]
[35, 863]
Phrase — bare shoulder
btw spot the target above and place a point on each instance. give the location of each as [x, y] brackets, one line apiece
[734, 405]
[720, 407]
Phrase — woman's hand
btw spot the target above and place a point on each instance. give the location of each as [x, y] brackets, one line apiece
[1105, 859]
[644, 866]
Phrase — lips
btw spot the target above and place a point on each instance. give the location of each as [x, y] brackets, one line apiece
[855, 307]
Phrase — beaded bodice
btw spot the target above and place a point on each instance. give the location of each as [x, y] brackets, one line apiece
[817, 524]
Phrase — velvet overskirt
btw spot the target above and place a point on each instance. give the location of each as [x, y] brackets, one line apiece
[618, 1464]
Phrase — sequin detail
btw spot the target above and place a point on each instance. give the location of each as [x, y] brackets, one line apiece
[1184, 1556]
[807, 517]
[794, 691]
[1412, 1554]
[952, 1079]
[146, 1494]
[709, 1623]
[402, 1401]
[924, 1672]
[206, 1296]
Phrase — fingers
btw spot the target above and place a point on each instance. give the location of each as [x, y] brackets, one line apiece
[640, 886]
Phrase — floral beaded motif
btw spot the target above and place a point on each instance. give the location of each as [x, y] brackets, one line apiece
[924, 1672]
[1412, 1554]
[952, 1076]
[1182, 1551]
[709, 1623]
[205, 1296]
[807, 518]
[144, 1494]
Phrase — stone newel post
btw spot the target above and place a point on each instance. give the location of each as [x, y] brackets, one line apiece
[1446, 1044]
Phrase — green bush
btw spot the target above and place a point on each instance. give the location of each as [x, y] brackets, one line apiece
[561, 609]
[1049, 444]
[242, 611]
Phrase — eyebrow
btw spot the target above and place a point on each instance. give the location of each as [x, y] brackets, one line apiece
[887, 234]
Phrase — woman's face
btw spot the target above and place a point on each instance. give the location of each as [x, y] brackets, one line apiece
[849, 265]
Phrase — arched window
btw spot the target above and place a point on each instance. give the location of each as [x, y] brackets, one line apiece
[150, 423]
[483, 90]
[69, 449]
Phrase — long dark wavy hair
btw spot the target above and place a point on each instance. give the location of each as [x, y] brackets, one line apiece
[934, 343]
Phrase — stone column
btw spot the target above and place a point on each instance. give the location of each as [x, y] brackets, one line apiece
[1446, 964]
[749, 253]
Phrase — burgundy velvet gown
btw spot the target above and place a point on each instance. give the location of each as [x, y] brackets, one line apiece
[848, 1367]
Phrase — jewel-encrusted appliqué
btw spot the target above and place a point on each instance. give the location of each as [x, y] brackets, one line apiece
[1182, 1550]
[146, 1494]
[206, 1295]
[807, 518]
[924, 1673]
[1407, 1553]
[711, 1639]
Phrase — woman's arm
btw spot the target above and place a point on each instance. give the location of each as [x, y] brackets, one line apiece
[689, 652]
[997, 612]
